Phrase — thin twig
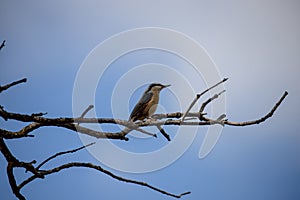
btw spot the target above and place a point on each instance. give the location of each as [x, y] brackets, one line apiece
[221, 117]
[163, 132]
[204, 104]
[99, 168]
[198, 97]
[145, 132]
[5, 87]
[83, 114]
[262, 119]
[86, 111]
[2, 44]
[62, 153]
[127, 130]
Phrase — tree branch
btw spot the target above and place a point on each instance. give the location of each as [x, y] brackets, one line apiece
[199, 95]
[262, 119]
[98, 168]
[204, 104]
[163, 132]
[69, 123]
[5, 87]
[13, 162]
[12, 181]
[62, 153]
[21, 133]
[38, 120]
[86, 111]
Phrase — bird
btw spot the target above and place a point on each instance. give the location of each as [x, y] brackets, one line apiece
[147, 104]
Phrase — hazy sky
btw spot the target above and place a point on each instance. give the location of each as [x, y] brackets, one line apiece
[254, 43]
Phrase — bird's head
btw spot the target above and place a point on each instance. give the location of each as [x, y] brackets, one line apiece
[156, 87]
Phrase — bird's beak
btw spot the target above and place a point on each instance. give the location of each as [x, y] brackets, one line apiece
[166, 86]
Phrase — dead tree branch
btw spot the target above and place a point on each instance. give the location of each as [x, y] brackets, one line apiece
[163, 132]
[69, 123]
[98, 168]
[38, 120]
[5, 87]
[199, 95]
[62, 153]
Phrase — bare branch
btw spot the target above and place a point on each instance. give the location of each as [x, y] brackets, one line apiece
[127, 130]
[262, 119]
[37, 120]
[163, 132]
[69, 122]
[21, 133]
[62, 153]
[221, 117]
[93, 133]
[86, 111]
[99, 168]
[13, 162]
[198, 97]
[10, 158]
[145, 132]
[62, 120]
[204, 104]
[169, 115]
[5, 87]
[28, 180]
[12, 181]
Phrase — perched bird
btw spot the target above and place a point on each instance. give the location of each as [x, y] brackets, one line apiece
[147, 105]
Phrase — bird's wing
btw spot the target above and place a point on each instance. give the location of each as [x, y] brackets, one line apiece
[141, 105]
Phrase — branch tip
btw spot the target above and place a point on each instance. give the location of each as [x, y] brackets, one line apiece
[29, 135]
[221, 117]
[5, 87]
[39, 114]
[2, 44]
[86, 110]
[223, 91]
[163, 132]
[185, 193]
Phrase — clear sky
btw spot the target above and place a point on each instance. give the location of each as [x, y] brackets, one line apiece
[254, 43]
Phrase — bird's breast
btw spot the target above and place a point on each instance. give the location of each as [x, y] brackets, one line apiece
[152, 106]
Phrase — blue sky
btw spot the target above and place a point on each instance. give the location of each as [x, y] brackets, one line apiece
[254, 43]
